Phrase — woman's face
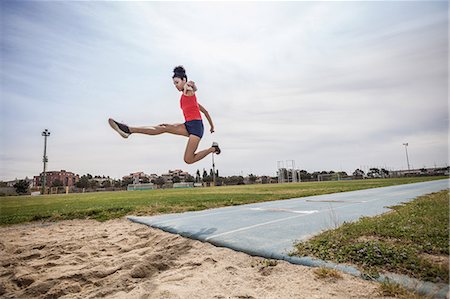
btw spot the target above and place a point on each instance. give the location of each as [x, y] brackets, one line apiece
[179, 83]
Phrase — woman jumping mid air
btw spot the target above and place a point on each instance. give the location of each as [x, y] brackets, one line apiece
[192, 128]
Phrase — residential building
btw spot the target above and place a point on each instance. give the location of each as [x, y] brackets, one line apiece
[67, 178]
[13, 182]
[168, 177]
[138, 177]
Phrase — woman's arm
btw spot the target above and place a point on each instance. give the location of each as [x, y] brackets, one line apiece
[192, 85]
[203, 110]
[190, 88]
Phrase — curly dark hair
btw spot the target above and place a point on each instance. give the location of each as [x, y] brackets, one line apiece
[179, 72]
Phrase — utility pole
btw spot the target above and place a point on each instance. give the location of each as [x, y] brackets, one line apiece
[214, 170]
[406, 148]
[45, 133]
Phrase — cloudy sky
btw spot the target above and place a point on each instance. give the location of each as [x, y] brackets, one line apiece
[330, 85]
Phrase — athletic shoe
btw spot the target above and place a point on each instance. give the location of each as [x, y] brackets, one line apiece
[216, 146]
[122, 129]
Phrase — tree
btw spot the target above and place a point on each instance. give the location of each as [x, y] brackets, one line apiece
[252, 178]
[106, 184]
[117, 183]
[176, 179]
[93, 184]
[234, 180]
[127, 182]
[304, 175]
[219, 181]
[190, 178]
[315, 175]
[374, 173]
[21, 187]
[207, 179]
[83, 182]
[57, 183]
[198, 177]
[205, 174]
[358, 173]
[159, 181]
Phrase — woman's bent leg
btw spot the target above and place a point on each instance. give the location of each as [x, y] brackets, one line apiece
[190, 156]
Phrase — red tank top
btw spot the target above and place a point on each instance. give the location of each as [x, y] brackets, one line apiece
[190, 107]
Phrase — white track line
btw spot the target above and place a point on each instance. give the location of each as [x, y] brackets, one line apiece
[279, 220]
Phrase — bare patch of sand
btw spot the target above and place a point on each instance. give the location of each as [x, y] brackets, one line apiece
[121, 259]
[441, 260]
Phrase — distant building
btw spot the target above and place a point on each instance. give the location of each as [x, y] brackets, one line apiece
[67, 178]
[13, 182]
[142, 178]
[168, 177]
[153, 176]
[265, 180]
[138, 177]
[437, 171]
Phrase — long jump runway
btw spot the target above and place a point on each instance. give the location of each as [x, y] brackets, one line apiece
[269, 229]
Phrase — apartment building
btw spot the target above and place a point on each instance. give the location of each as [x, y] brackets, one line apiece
[67, 178]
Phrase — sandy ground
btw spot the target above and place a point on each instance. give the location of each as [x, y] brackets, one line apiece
[121, 259]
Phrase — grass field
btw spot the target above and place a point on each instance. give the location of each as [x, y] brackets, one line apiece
[108, 205]
[412, 239]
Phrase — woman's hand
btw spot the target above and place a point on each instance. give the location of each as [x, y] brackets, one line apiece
[212, 129]
[192, 85]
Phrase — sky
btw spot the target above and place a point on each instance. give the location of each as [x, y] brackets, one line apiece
[330, 85]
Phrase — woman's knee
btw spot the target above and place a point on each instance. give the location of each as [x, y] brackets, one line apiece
[166, 128]
[189, 160]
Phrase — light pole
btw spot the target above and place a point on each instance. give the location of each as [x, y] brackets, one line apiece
[214, 170]
[406, 149]
[45, 133]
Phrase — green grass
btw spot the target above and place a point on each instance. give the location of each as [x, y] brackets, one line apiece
[393, 290]
[413, 239]
[325, 273]
[108, 205]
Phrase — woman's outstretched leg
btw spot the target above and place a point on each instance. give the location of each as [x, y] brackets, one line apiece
[176, 129]
[125, 131]
[190, 156]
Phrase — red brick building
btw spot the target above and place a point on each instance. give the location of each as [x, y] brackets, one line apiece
[68, 179]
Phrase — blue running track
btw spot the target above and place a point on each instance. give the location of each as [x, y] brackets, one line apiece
[269, 229]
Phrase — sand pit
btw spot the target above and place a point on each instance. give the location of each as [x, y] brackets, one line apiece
[121, 259]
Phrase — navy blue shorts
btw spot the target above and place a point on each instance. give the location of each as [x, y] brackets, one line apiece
[194, 127]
